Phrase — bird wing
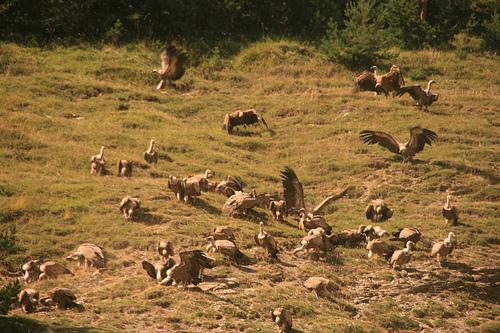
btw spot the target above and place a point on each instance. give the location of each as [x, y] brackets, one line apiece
[257, 240]
[177, 66]
[382, 138]
[292, 188]
[369, 211]
[149, 268]
[195, 260]
[414, 91]
[365, 82]
[124, 202]
[436, 248]
[119, 166]
[330, 199]
[419, 137]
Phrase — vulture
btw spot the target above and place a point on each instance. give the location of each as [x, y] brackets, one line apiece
[423, 98]
[315, 239]
[401, 258]
[378, 211]
[28, 299]
[283, 318]
[166, 250]
[442, 249]
[267, 242]
[124, 168]
[173, 64]
[246, 117]
[151, 156]
[62, 298]
[419, 137]
[278, 209]
[190, 269]
[379, 247]
[223, 232]
[98, 163]
[129, 205]
[348, 238]
[88, 255]
[242, 202]
[408, 234]
[294, 199]
[450, 212]
[33, 270]
[374, 232]
[320, 286]
[175, 185]
[229, 186]
[367, 81]
[228, 249]
[391, 81]
[158, 271]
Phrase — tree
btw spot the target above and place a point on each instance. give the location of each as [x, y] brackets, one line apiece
[8, 296]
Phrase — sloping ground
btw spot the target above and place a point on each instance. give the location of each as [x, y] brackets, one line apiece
[58, 106]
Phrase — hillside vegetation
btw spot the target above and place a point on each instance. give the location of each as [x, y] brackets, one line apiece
[60, 104]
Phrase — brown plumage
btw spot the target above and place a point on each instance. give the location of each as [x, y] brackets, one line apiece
[450, 212]
[267, 242]
[124, 168]
[98, 163]
[242, 203]
[408, 234]
[31, 270]
[401, 258]
[246, 117]
[278, 209]
[165, 249]
[62, 298]
[367, 81]
[175, 185]
[348, 238]
[316, 240]
[380, 248]
[283, 318]
[378, 211]
[28, 299]
[391, 81]
[223, 232]
[321, 287]
[419, 137]
[173, 66]
[423, 98]
[228, 249]
[158, 271]
[229, 186]
[88, 255]
[444, 248]
[374, 232]
[190, 268]
[294, 198]
[150, 155]
[128, 206]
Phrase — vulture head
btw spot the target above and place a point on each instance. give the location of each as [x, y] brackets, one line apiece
[31, 270]
[449, 238]
[165, 248]
[374, 69]
[410, 246]
[209, 174]
[76, 256]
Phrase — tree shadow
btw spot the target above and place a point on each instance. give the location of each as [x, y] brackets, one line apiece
[25, 325]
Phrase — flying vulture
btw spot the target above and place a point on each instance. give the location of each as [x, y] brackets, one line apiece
[173, 64]
[246, 117]
[419, 137]
[423, 98]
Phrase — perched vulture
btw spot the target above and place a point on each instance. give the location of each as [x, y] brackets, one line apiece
[150, 155]
[246, 117]
[88, 255]
[62, 298]
[348, 238]
[320, 286]
[401, 258]
[228, 249]
[378, 211]
[175, 185]
[450, 212]
[315, 239]
[166, 250]
[31, 270]
[128, 206]
[242, 202]
[283, 318]
[419, 137]
[229, 186]
[98, 163]
[380, 248]
[442, 249]
[374, 232]
[294, 198]
[173, 64]
[408, 234]
[367, 81]
[190, 269]
[278, 209]
[267, 242]
[158, 271]
[223, 232]
[391, 81]
[28, 299]
[423, 98]
[124, 168]
[34, 270]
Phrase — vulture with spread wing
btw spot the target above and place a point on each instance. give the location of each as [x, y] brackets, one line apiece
[367, 81]
[419, 137]
[294, 198]
[190, 269]
[391, 81]
[173, 64]
[424, 98]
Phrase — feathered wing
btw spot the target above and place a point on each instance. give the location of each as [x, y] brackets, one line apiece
[383, 139]
[194, 261]
[293, 191]
[270, 244]
[369, 211]
[124, 202]
[177, 66]
[330, 199]
[120, 165]
[365, 82]
[414, 91]
[419, 137]
[149, 268]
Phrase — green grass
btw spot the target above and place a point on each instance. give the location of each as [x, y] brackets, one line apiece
[47, 191]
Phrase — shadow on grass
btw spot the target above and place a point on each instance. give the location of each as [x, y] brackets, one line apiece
[490, 176]
[200, 203]
[14, 324]
[143, 216]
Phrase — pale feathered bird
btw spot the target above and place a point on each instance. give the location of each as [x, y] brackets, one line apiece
[444, 248]
[401, 258]
[173, 66]
[378, 211]
[150, 155]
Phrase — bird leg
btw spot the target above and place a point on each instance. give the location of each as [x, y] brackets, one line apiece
[160, 85]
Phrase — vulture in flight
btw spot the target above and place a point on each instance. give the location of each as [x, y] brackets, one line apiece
[189, 270]
[424, 98]
[173, 64]
[294, 198]
[419, 137]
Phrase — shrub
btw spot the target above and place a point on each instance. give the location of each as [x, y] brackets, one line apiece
[465, 44]
[8, 239]
[8, 296]
[115, 33]
[491, 35]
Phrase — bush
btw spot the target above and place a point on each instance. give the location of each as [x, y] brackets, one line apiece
[8, 239]
[362, 42]
[492, 32]
[465, 44]
[8, 296]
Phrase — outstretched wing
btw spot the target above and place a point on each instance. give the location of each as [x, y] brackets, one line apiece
[365, 82]
[330, 199]
[369, 211]
[194, 261]
[149, 268]
[382, 138]
[414, 91]
[292, 188]
[178, 65]
[419, 137]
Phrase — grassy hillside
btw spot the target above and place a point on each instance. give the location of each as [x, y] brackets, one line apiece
[47, 191]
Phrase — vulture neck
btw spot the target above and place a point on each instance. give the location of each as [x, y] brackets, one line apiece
[428, 90]
[101, 154]
[448, 239]
[150, 149]
[448, 203]
[261, 233]
[407, 248]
